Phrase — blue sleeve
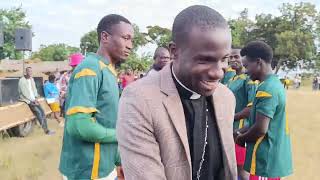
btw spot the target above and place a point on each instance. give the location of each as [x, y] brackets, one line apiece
[46, 91]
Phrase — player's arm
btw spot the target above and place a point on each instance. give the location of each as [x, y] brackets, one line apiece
[84, 127]
[245, 113]
[259, 129]
[265, 109]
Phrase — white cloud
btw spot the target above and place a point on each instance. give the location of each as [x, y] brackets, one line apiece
[60, 21]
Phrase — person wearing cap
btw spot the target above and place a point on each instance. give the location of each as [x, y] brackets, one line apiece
[63, 82]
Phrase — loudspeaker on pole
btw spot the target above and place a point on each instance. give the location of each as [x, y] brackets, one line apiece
[23, 39]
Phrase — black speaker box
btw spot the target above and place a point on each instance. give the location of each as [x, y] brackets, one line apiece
[23, 39]
[39, 84]
[9, 91]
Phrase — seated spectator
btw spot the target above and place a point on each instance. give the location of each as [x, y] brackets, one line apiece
[28, 93]
[51, 93]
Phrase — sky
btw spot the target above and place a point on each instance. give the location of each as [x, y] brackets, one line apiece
[66, 21]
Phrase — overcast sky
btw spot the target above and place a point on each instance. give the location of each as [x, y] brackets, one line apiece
[65, 21]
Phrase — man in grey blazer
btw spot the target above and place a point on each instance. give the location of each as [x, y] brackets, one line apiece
[177, 124]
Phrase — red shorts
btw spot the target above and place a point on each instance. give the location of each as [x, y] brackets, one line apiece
[253, 177]
[240, 155]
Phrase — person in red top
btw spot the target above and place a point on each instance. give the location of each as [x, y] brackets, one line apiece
[127, 78]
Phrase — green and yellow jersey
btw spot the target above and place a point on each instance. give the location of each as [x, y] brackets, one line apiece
[229, 74]
[270, 156]
[89, 149]
[244, 90]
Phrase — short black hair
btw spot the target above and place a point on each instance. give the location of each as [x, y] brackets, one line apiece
[195, 16]
[108, 21]
[258, 49]
[156, 52]
[51, 78]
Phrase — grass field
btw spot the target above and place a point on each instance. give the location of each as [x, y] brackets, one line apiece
[36, 157]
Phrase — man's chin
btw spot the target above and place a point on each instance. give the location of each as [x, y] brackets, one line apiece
[207, 93]
[122, 60]
[253, 78]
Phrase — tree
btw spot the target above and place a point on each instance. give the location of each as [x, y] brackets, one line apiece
[291, 35]
[301, 16]
[54, 52]
[296, 41]
[294, 46]
[240, 29]
[140, 39]
[89, 42]
[12, 19]
[158, 35]
[136, 63]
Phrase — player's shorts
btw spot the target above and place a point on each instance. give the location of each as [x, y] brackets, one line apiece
[253, 177]
[55, 107]
[240, 155]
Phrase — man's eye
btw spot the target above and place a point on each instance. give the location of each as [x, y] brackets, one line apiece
[225, 59]
[126, 38]
[203, 60]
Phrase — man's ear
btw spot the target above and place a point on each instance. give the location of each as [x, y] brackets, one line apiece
[104, 37]
[173, 50]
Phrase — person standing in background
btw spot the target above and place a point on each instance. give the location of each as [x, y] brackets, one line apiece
[51, 94]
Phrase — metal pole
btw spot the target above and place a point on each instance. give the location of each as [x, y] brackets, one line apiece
[23, 63]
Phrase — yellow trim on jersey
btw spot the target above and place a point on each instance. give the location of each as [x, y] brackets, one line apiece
[254, 154]
[249, 104]
[241, 76]
[261, 94]
[112, 69]
[81, 109]
[85, 72]
[241, 123]
[96, 161]
[253, 82]
[102, 65]
[230, 70]
[287, 123]
[109, 66]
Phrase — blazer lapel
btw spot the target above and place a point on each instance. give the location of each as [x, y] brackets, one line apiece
[219, 109]
[174, 107]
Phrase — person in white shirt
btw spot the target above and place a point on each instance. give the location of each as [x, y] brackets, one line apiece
[28, 94]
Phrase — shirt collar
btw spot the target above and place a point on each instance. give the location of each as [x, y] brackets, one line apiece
[97, 56]
[194, 94]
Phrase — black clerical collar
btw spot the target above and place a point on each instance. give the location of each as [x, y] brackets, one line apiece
[156, 67]
[184, 92]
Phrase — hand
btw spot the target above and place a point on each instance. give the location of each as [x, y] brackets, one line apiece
[240, 140]
[236, 117]
[120, 173]
[35, 102]
[235, 134]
